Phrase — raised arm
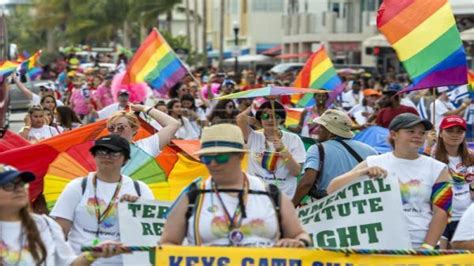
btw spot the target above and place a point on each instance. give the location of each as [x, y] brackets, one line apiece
[28, 94]
[242, 120]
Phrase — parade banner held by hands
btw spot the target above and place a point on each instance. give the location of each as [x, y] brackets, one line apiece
[141, 223]
[366, 214]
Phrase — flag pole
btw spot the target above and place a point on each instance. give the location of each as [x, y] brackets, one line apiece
[434, 107]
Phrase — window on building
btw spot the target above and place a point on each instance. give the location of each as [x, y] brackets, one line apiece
[267, 5]
[336, 8]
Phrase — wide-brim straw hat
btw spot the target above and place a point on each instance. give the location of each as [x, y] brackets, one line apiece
[221, 138]
[336, 122]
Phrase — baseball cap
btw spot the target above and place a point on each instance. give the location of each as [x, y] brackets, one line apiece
[9, 173]
[452, 121]
[112, 142]
[123, 92]
[336, 122]
[371, 92]
[393, 88]
[408, 120]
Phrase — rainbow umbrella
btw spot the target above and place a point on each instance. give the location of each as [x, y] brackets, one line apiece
[268, 91]
[78, 162]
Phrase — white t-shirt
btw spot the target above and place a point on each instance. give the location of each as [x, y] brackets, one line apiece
[45, 132]
[465, 229]
[461, 178]
[260, 227]
[187, 130]
[359, 116]
[14, 244]
[281, 176]
[72, 205]
[150, 145]
[416, 179]
[109, 110]
[36, 100]
[441, 108]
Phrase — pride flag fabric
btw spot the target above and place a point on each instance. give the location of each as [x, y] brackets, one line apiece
[426, 39]
[318, 73]
[470, 84]
[30, 63]
[7, 68]
[156, 64]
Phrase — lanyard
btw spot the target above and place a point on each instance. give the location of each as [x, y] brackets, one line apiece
[101, 217]
[235, 220]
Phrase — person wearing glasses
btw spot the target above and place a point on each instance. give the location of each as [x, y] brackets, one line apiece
[276, 156]
[126, 125]
[86, 210]
[225, 111]
[45, 89]
[31, 239]
[232, 208]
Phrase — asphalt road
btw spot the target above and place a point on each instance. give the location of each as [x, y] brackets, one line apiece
[16, 121]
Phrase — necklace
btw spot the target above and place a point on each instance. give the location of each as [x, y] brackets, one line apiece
[101, 216]
[234, 222]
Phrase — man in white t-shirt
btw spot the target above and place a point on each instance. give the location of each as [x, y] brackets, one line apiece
[464, 236]
[123, 102]
[48, 88]
[443, 107]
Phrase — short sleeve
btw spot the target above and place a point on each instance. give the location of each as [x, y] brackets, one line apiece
[312, 158]
[68, 200]
[35, 99]
[150, 145]
[465, 229]
[63, 255]
[297, 149]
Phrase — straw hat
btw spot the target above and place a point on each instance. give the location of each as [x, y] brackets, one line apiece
[336, 122]
[221, 138]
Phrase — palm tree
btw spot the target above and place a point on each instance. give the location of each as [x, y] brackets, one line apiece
[188, 23]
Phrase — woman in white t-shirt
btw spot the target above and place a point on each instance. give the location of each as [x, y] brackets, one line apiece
[35, 128]
[87, 209]
[425, 185]
[451, 148]
[276, 156]
[31, 239]
[186, 129]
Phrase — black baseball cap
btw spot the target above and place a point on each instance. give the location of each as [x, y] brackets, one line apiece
[114, 143]
[408, 120]
[8, 173]
[123, 92]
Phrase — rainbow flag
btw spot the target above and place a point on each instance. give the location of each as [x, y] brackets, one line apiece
[293, 116]
[7, 68]
[156, 64]
[470, 84]
[34, 73]
[318, 73]
[269, 161]
[426, 39]
[30, 63]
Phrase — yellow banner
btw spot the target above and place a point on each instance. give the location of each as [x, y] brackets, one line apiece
[221, 256]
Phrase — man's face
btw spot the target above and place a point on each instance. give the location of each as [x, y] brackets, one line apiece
[123, 99]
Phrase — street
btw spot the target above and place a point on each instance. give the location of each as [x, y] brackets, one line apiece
[16, 121]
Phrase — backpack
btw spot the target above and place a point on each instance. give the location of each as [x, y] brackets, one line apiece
[194, 191]
[135, 184]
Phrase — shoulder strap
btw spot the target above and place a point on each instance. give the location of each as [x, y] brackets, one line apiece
[350, 150]
[192, 194]
[321, 161]
[137, 188]
[275, 195]
[84, 184]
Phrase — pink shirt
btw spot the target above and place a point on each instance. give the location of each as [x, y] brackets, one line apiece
[103, 95]
[80, 103]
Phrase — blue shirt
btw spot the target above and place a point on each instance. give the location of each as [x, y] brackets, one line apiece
[337, 160]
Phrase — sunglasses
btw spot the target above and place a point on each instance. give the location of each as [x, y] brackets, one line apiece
[12, 186]
[219, 158]
[107, 153]
[120, 128]
[266, 116]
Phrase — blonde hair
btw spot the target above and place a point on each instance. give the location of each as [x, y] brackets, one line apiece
[131, 118]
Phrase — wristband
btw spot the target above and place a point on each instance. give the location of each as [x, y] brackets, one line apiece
[89, 257]
[305, 242]
[427, 246]
[149, 110]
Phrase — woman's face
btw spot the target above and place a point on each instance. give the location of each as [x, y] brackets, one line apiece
[186, 104]
[371, 100]
[268, 121]
[121, 127]
[410, 138]
[182, 90]
[229, 107]
[48, 117]
[453, 136]
[49, 103]
[37, 119]
[320, 98]
[13, 195]
[176, 110]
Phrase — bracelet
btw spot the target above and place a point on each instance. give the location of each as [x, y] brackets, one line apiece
[149, 110]
[89, 257]
[25, 128]
[305, 242]
[427, 246]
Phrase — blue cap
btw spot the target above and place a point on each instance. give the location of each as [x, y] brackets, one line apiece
[9, 173]
[392, 88]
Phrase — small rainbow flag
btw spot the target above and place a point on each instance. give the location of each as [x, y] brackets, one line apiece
[34, 73]
[318, 73]
[269, 161]
[470, 84]
[156, 64]
[427, 41]
[293, 116]
[30, 63]
[7, 68]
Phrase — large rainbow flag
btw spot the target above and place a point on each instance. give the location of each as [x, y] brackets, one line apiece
[470, 84]
[426, 39]
[7, 68]
[156, 64]
[318, 73]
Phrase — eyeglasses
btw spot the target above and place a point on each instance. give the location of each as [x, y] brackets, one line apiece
[221, 158]
[12, 186]
[266, 116]
[107, 153]
[120, 128]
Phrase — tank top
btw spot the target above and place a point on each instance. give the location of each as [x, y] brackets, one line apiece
[416, 179]
[260, 228]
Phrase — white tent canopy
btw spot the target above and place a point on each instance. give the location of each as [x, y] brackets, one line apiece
[251, 58]
[376, 41]
[468, 35]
